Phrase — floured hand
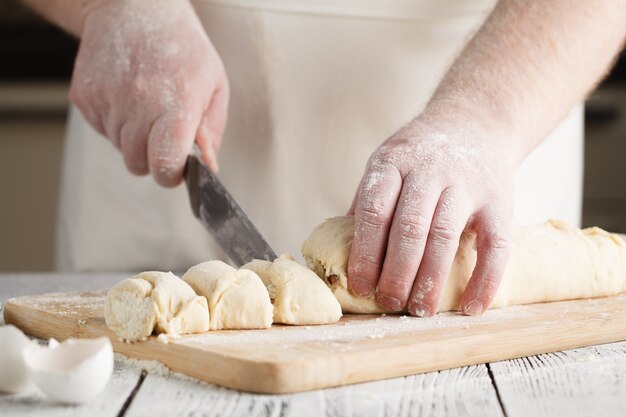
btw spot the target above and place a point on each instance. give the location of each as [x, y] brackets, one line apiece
[148, 78]
[421, 188]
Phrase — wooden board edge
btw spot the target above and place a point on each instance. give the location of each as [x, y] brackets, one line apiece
[249, 375]
[339, 368]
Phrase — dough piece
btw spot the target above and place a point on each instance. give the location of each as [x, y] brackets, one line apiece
[298, 295]
[237, 298]
[157, 302]
[549, 262]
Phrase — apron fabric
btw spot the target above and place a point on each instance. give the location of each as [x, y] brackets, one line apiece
[316, 86]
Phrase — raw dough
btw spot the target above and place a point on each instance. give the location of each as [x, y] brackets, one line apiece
[298, 295]
[549, 262]
[237, 298]
[157, 302]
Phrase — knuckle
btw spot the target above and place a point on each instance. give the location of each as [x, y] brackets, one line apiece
[139, 86]
[412, 228]
[366, 264]
[165, 163]
[489, 283]
[398, 284]
[371, 213]
[497, 242]
[443, 231]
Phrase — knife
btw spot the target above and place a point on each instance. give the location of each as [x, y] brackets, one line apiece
[220, 214]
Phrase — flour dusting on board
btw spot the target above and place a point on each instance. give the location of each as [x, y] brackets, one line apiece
[351, 329]
[78, 304]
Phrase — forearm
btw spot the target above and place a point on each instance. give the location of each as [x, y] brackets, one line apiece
[67, 14]
[529, 64]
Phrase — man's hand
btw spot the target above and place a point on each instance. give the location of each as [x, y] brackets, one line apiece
[452, 168]
[422, 187]
[148, 78]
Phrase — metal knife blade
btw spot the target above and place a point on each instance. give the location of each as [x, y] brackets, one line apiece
[220, 214]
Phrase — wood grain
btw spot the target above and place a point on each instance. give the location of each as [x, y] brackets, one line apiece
[359, 348]
[458, 392]
[580, 382]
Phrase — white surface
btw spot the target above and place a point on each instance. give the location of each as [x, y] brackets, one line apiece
[581, 382]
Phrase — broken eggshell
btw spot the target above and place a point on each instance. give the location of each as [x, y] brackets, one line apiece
[74, 371]
[14, 376]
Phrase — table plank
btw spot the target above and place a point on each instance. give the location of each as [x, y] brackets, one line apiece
[107, 404]
[578, 382]
[464, 391]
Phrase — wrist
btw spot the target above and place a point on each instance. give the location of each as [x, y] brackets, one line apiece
[466, 119]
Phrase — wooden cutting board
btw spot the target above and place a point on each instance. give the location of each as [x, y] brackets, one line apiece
[359, 348]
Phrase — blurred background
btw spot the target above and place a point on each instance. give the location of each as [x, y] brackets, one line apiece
[34, 77]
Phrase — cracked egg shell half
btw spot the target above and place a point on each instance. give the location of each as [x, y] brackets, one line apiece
[74, 371]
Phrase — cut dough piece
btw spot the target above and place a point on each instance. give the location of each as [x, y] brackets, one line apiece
[549, 262]
[237, 298]
[156, 302]
[298, 295]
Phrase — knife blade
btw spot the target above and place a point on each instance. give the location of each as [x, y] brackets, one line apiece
[220, 214]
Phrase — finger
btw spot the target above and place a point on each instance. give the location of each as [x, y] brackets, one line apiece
[211, 129]
[88, 113]
[448, 223]
[407, 239]
[169, 143]
[134, 147]
[493, 244]
[374, 210]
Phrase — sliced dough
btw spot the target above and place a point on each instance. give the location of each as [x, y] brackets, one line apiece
[298, 295]
[156, 302]
[549, 262]
[237, 298]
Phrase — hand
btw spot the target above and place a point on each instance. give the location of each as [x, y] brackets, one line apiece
[421, 189]
[148, 78]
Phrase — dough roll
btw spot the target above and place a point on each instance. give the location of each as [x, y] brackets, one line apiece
[549, 262]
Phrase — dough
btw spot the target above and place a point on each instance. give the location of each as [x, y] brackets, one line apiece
[157, 302]
[298, 295]
[237, 298]
[549, 262]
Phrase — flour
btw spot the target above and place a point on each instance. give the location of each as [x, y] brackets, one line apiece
[372, 179]
[150, 366]
[344, 335]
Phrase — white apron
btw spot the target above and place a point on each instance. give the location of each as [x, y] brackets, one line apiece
[316, 86]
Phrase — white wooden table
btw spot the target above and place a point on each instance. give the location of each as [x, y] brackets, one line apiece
[580, 382]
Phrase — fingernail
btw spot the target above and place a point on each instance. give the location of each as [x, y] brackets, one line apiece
[388, 302]
[360, 287]
[420, 310]
[473, 308]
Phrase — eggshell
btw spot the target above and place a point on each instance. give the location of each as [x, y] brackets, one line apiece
[14, 376]
[74, 371]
